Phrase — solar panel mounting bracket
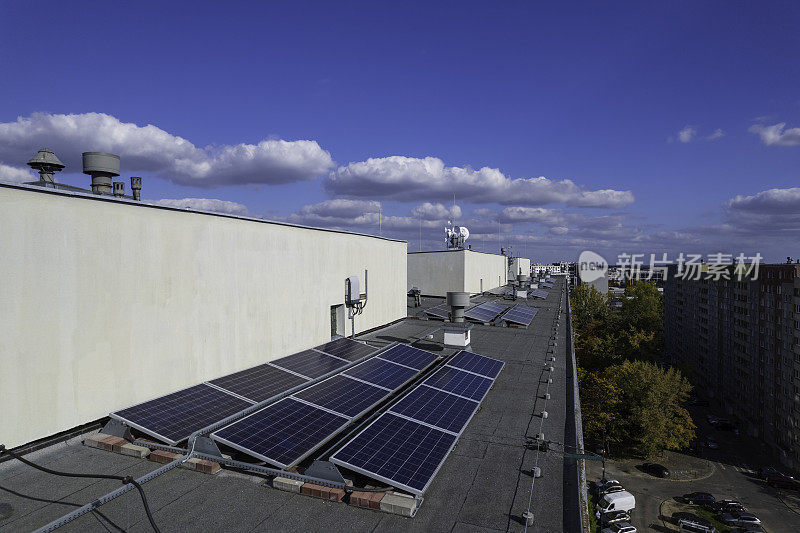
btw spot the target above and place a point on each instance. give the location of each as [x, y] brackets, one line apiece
[116, 428]
[324, 470]
[204, 444]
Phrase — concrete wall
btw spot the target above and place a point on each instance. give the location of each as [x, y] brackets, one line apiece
[520, 265]
[436, 273]
[107, 303]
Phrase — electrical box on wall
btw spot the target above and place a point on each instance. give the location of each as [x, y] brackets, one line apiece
[352, 291]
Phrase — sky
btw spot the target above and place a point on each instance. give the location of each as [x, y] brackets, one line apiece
[617, 127]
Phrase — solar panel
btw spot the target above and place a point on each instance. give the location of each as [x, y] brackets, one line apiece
[259, 383]
[547, 285]
[283, 433]
[174, 417]
[382, 373]
[437, 408]
[344, 395]
[407, 445]
[340, 395]
[538, 293]
[310, 363]
[521, 314]
[397, 451]
[349, 349]
[550, 280]
[459, 382]
[440, 311]
[485, 312]
[408, 356]
[477, 364]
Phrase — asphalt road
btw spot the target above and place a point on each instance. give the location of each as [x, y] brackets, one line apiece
[733, 477]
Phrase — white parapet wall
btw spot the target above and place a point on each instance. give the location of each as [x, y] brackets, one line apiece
[436, 273]
[520, 265]
[105, 303]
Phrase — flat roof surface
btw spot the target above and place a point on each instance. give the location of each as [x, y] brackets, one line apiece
[484, 485]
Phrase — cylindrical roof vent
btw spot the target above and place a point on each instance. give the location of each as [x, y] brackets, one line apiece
[457, 302]
[101, 166]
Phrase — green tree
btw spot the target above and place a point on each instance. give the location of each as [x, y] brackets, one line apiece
[600, 403]
[588, 306]
[651, 412]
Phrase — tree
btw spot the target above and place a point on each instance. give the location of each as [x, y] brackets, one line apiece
[600, 403]
[652, 416]
[588, 306]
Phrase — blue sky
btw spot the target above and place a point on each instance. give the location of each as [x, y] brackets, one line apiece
[596, 93]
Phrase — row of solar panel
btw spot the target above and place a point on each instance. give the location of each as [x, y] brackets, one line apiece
[174, 417]
[286, 432]
[488, 311]
[406, 446]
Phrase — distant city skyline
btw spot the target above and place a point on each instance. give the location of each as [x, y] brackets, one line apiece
[622, 129]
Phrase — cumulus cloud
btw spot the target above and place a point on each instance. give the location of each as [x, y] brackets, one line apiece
[206, 204]
[686, 135]
[408, 178]
[151, 149]
[777, 135]
[780, 201]
[16, 174]
[429, 211]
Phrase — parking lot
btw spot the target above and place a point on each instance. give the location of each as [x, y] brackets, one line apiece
[730, 473]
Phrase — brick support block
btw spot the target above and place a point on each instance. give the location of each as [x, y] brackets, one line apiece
[134, 451]
[368, 500]
[160, 456]
[398, 503]
[93, 441]
[318, 491]
[289, 485]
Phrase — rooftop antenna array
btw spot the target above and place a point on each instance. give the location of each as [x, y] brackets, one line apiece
[455, 236]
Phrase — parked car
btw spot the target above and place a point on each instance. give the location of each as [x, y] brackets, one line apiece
[696, 525]
[613, 517]
[712, 419]
[604, 484]
[765, 471]
[611, 490]
[699, 498]
[726, 506]
[655, 470]
[621, 527]
[782, 481]
[740, 519]
[617, 501]
[711, 442]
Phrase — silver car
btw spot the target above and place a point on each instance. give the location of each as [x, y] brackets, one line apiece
[740, 519]
[620, 527]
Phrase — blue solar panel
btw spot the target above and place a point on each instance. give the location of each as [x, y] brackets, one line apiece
[459, 382]
[343, 395]
[382, 373]
[437, 408]
[472, 362]
[538, 293]
[310, 363]
[408, 356]
[283, 433]
[174, 417]
[521, 314]
[485, 312]
[259, 383]
[440, 311]
[347, 349]
[397, 451]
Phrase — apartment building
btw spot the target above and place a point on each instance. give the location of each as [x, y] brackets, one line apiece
[739, 342]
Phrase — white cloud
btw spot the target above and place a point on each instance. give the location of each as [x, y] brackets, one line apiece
[429, 211]
[686, 135]
[775, 135]
[16, 174]
[718, 134]
[151, 149]
[206, 204]
[407, 179]
[771, 201]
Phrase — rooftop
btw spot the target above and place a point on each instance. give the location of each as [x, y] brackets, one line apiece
[484, 485]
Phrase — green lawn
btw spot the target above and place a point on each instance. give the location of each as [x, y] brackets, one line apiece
[711, 517]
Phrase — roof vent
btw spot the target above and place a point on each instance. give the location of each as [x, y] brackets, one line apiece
[136, 187]
[119, 188]
[46, 162]
[101, 166]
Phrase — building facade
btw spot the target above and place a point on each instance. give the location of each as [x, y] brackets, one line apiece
[739, 342]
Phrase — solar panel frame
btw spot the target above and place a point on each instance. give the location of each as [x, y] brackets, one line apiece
[485, 312]
[307, 363]
[448, 440]
[521, 314]
[539, 293]
[440, 311]
[292, 406]
[347, 349]
[378, 371]
[344, 395]
[438, 408]
[381, 432]
[451, 379]
[259, 383]
[173, 436]
[476, 363]
[402, 355]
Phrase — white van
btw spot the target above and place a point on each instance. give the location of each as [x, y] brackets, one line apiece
[617, 501]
